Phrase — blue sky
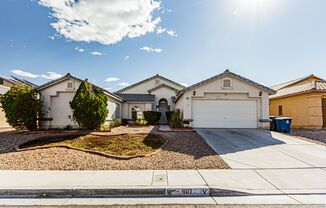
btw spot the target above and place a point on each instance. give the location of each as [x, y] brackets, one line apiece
[268, 41]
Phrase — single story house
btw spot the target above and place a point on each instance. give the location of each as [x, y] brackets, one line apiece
[226, 100]
[303, 99]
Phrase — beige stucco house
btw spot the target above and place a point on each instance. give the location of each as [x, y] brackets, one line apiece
[303, 99]
[226, 100]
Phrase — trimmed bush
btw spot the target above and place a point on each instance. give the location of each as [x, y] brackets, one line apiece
[176, 119]
[141, 122]
[115, 123]
[22, 106]
[124, 122]
[89, 106]
[152, 116]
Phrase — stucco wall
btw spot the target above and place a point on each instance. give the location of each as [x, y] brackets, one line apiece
[61, 96]
[214, 91]
[3, 122]
[306, 109]
[144, 87]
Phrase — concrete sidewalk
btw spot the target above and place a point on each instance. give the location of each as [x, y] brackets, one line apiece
[270, 186]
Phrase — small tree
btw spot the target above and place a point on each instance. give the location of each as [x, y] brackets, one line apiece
[22, 107]
[89, 106]
[176, 119]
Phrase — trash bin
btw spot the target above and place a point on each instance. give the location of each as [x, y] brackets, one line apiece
[283, 124]
[272, 126]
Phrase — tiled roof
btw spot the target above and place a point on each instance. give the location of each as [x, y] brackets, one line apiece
[3, 89]
[136, 97]
[299, 89]
[285, 84]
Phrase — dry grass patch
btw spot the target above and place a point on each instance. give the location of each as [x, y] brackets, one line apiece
[120, 145]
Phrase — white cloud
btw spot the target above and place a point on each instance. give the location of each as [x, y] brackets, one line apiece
[124, 84]
[126, 58]
[111, 79]
[24, 73]
[149, 49]
[47, 75]
[51, 37]
[184, 84]
[51, 75]
[96, 53]
[79, 49]
[106, 22]
[160, 30]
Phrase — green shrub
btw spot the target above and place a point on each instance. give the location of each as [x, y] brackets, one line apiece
[176, 119]
[168, 115]
[141, 122]
[115, 123]
[152, 116]
[124, 122]
[22, 106]
[89, 106]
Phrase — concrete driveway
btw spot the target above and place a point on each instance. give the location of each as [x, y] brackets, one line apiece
[262, 149]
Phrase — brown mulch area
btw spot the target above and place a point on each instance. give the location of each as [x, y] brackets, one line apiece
[316, 136]
[184, 150]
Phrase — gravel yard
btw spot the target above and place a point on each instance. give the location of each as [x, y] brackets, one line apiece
[317, 136]
[185, 150]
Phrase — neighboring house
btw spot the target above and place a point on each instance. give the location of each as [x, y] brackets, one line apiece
[5, 85]
[3, 122]
[57, 94]
[226, 100]
[10, 82]
[303, 99]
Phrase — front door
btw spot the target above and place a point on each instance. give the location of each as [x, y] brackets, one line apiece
[163, 107]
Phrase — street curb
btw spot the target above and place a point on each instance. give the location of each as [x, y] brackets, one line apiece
[106, 192]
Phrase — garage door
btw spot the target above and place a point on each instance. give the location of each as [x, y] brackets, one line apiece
[224, 114]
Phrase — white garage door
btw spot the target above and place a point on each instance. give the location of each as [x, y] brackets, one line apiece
[224, 114]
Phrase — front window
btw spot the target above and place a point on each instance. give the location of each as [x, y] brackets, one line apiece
[70, 85]
[280, 110]
[136, 113]
[117, 111]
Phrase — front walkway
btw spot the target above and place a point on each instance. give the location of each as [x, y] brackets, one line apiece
[276, 186]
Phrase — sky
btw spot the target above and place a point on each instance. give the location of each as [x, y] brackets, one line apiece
[115, 43]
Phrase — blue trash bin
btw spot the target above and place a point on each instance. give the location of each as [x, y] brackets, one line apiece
[283, 124]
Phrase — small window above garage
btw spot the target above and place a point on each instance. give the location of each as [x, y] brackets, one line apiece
[226, 83]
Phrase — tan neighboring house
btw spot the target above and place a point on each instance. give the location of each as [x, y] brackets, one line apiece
[303, 99]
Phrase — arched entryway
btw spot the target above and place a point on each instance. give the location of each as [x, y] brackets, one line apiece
[163, 107]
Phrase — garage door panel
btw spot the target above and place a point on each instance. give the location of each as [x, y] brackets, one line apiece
[225, 114]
